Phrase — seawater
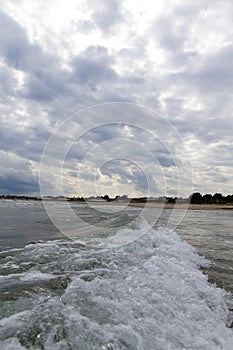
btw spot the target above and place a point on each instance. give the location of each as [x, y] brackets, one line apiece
[152, 294]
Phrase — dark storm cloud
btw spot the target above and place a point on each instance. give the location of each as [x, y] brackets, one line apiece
[17, 50]
[215, 73]
[208, 128]
[78, 151]
[88, 175]
[104, 132]
[84, 26]
[7, 84]
[173, 30]
[18, 182]
[93, 66]
[13, 42]
[117, 134]
[45, 79]
[47, 82]
[107, 14]
[27, 143]
[16, 175]
[129, 174]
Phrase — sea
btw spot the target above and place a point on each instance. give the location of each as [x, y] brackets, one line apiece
[115, 279]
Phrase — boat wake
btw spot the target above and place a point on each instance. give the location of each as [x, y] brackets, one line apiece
[149, 294]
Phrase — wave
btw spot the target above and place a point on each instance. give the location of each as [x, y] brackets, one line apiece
[149, 294]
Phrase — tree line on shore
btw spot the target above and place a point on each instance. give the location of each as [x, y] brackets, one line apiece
[217, 198]
[195, 198]
[9, 196]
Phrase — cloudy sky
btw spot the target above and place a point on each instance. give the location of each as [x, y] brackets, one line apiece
[174, 59]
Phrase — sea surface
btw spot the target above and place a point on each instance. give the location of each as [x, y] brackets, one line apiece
[113, 280]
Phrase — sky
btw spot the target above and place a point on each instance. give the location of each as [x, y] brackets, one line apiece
[116, 97]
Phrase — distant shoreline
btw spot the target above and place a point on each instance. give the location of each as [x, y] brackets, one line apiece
[180, 206]
[164, 206]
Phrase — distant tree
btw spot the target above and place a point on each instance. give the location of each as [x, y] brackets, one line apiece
[217, 198]
[229, 198]
[207, 198]
[106, 198]
[139, 200]
[196, 198]
[124, 197]
[171, 200]
[224, 201]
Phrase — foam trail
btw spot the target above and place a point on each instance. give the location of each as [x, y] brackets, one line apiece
[146, 295]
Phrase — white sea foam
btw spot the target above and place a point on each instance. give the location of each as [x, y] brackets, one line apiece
[147, 295]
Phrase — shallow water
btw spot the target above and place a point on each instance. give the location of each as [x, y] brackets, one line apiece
[148, 294]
